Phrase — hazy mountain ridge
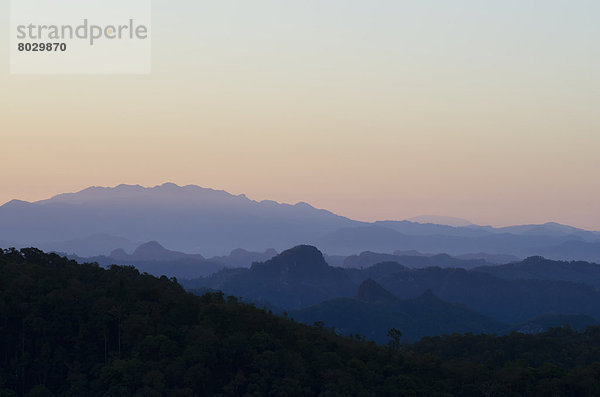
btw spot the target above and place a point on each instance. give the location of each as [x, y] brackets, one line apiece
[211, 222]
[373, 311]
[153, 258]
[544, 269]
[508, 301]
[368, 259]
[349, 240]
[420, 302]
[299, 278]
[189, 219]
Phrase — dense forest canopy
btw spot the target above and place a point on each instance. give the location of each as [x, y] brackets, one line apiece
[69, 329]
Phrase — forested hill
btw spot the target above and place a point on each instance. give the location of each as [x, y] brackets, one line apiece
[79, 330]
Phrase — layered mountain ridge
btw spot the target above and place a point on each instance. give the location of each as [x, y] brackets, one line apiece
[197, 220]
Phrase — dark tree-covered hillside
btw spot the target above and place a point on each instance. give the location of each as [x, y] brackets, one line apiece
[80, 330]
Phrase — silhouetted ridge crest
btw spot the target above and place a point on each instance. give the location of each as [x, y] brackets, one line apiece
[154, 251]
[302, 260]
[532, 260]
[119, 253]
[150, 250]
[370, 291]
[16, 204]
[296, 278]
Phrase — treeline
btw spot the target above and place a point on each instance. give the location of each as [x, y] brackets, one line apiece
[72, 330]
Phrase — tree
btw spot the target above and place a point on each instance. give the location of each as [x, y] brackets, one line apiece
[395, 335]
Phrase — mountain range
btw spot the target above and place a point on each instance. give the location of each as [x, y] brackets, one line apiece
[192, 219]
[185, 218]
[420, 301]
[296, 278]
[153, 258]
[373, 311]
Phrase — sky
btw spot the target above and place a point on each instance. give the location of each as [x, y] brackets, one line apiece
[379, 109]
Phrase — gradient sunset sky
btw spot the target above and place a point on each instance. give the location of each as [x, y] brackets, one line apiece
[373, 109]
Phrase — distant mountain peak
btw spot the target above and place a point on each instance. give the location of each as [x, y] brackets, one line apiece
[16, 203]
[153, 250]
[301, 260]
[164, 192]
[304, 251]
[441, 220]
[370, 291]
[121, 186]
[150, 246]
[119, 253]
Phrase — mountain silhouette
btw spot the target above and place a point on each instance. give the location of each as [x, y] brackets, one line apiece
[299, 263]
[300, 277]
[242, 258]
[506, 300]
[153, 258]
[539, 268]
[374, 311]
[367, 259]
[153, 251]
[384, 237]
[188, 218]
[297, 277]
[193, 219]
[370, 291]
